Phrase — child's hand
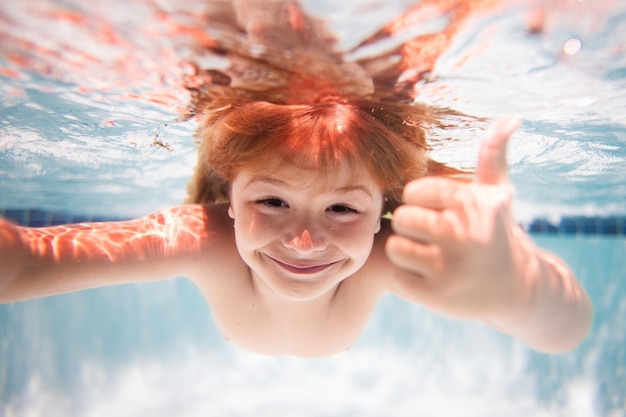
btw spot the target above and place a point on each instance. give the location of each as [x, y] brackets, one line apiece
[460, 252]
[457, 244]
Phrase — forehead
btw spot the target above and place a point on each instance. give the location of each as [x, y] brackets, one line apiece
[342, 178]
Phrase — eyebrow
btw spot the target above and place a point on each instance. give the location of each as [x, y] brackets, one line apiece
[351, 188]
[279, 182]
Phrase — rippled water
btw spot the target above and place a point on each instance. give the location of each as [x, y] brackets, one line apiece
[90, 123]
[112, 94]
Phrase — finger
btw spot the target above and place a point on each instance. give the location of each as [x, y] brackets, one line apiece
[415, 222]
[411, 256]
[434, 193]
[492, 165]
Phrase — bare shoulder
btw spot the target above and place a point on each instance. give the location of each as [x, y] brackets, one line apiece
[194, 224]
[202, 235]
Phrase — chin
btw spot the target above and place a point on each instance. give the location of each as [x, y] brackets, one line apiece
[304, 293]
[300, 290]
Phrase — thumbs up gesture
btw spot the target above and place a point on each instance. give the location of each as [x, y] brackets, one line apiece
[456, 244]
[458, 251]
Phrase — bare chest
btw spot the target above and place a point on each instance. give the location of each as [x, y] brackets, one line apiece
[298, 330]
[290, 333]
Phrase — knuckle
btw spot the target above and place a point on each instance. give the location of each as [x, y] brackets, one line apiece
[398, 250]
[404, 218]
[449, 227]
[414, 190]
[462, 195]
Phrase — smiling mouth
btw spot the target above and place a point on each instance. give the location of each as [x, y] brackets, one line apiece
[304, 269]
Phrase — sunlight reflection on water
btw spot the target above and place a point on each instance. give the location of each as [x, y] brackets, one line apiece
[84, 137]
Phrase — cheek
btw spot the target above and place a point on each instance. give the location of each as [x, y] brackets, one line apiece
[357, 239]
[253, 230]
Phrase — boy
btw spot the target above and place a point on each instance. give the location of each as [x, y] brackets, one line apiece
[290, 248]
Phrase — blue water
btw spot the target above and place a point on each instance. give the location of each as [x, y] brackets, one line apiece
[152, 349]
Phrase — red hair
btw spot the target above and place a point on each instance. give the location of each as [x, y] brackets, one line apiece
[285, 93]
[387, 139]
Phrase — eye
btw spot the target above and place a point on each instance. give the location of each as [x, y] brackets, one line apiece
[342, 209]
[273, 202]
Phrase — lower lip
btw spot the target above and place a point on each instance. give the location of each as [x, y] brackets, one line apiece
[303, 271]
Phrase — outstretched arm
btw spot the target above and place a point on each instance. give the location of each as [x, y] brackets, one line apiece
[461, 253]
[37, 262]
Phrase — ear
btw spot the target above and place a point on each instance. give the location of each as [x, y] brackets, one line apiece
[378, 226]
[231, 213]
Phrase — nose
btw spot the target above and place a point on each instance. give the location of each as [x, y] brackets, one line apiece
[305, 242]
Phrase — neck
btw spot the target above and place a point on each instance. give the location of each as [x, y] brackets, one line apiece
[292, 307]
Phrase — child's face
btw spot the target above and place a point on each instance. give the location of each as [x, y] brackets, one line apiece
[301, 232]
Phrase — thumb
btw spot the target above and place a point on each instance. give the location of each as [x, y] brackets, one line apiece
[492, 166]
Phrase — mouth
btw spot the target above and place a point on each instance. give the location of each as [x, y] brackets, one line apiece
[304, 268]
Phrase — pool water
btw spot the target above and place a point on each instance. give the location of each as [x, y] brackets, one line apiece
[90, 129]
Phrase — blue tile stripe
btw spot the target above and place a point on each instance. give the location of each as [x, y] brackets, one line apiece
[580, 225]
[40, 218]
[570, 225]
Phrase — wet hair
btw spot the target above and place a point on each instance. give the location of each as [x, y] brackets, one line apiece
[284, 94]
[388, 140]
